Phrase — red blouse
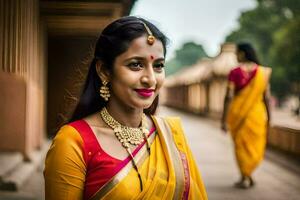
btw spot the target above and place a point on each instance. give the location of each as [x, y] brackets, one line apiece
[101, 167]
[241, 78]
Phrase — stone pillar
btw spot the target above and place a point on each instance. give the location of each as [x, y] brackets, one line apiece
[12, 112]
[22, 56]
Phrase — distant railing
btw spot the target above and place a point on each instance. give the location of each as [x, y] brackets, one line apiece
[285, 138]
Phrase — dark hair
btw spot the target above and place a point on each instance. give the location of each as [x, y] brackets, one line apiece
[113, 41]
[249, 52]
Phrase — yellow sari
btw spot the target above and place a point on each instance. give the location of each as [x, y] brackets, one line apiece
[246, 120]
[169, 172]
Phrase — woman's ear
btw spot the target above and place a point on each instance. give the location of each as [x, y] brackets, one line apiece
[101, 71]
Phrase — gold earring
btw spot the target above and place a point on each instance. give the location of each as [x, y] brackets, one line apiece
[104, 91]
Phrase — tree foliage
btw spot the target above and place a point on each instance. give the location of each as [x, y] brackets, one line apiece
[286, 52]
[187, 55]
[273, 27]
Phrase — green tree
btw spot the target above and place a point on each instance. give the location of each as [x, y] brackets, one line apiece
[257, 26]
[173, 66]
[187, 55]
[273, 29]
[190, 53]
[285, 53]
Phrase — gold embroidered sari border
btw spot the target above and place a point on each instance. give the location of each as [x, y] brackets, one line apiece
[166, 133]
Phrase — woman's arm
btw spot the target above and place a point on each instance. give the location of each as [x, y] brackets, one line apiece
[65, 168]
[228, 97]
[267, 95]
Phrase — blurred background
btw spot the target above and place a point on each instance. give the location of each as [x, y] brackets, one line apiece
[46, 47]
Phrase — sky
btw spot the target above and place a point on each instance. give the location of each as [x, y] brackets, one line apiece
[205, 22]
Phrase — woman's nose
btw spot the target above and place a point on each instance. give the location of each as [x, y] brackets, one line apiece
[148, 78]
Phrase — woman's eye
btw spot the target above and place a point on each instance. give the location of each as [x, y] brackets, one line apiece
[135, 65]
[159, 66]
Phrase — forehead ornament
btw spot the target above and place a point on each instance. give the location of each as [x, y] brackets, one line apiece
[150, 38]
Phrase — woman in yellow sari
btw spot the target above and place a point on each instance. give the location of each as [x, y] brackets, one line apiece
[114, 147]
[246, 112]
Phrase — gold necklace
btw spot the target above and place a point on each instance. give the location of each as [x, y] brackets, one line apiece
[128, 135]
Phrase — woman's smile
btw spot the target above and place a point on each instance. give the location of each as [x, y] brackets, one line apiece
[145, 92]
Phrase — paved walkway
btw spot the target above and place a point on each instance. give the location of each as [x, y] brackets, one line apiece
[214, 155]
[33, 189]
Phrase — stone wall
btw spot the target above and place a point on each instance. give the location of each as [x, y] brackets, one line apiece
[284, 138]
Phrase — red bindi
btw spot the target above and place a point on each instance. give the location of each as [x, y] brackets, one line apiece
[152, 57]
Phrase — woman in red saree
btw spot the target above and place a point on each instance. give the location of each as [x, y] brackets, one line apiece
[114, 147]
[246, 112]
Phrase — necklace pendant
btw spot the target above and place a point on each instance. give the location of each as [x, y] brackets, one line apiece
[125, 144]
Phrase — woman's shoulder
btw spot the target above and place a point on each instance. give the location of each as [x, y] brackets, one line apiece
[65, 152]
[68, 133]
[174, 122]
[267, 71]
[167, 118]
[175, 129]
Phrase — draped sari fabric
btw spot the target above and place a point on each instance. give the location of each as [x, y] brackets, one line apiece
[170, 171]
[246, 119]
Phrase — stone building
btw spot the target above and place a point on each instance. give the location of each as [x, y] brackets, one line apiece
[201, 87]
[44, 47]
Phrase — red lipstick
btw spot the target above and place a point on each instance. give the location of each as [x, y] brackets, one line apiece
[145, 92]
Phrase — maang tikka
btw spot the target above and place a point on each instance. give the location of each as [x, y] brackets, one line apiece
[150, 38]
[104, 91]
